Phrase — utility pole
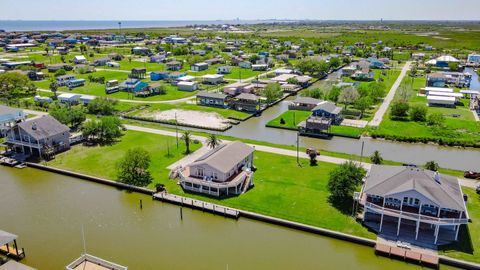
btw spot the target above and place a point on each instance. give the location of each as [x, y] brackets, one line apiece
[361, 152]
[298, 154]
[176, 128]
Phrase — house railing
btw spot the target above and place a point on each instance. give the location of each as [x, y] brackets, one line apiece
[413, 216]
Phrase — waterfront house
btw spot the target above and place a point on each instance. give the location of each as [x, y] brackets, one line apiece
[327, 109]
[9, 117]
[174, 65]
[212, 99]
[199, 66]
[212, 79]
[363, 75]
[246, 102]
[39, 137]
[237, 88]
[314, 126]
[187, 86]
[442, 61]
[224, 70]
[223, 171]
[413, 203]
[304, 103]
[436, 79]
[473, 59]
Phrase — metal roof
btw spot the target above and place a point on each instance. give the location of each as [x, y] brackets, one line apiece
[6, 237]
[13, 265]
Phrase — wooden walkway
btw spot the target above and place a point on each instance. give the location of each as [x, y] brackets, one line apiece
[413, 254]
[195, 204]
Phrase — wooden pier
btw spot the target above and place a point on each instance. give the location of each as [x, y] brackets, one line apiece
[195, 204]
[9, 161]
[411, 254]
[9, 247]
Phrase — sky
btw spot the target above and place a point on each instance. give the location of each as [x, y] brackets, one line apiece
[243, 9]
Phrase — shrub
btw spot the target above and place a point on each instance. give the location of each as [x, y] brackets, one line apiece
[418, 113]
[60, 72]
[435, 119]
[399, 109]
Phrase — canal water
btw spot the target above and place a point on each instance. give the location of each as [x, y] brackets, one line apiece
[447, 157]
[48, 212]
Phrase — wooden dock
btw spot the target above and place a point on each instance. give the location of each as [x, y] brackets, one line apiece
[9, 161]
[196, 204]
[412, 254]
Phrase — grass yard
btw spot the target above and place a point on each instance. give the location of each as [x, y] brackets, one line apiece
[101, 161]
[280, 192]
[242, 73]
[293, 118]
[460, 125]
[468, 247]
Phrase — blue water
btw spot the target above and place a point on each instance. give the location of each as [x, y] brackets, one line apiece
[20, 25]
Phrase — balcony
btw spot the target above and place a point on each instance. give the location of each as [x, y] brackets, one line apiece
[408, 214]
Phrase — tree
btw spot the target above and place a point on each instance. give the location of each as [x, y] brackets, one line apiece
[71, 116]
[102, 106]
[14, 85]
[133, 168]
[272, 92]
[435, 119]
[453, 66]
[399, 110]
[187, 138]
[110, 129]
[60, 72]
[418, 113]
[53, 87]
[313, 158]
[362, 104]
[348, 96]
[376, 158]
[213, 141]
[432, 166]
[343, 181]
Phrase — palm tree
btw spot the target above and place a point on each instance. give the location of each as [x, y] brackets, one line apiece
[213, 141]
[187, 138]
[376, 158]
[53, 87]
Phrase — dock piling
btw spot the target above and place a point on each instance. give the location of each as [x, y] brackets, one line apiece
[141, 204]
[181, 213]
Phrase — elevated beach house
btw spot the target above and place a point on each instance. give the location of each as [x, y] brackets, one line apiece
[413, 203]
[39, 137]
[9, 117]
[223, 171]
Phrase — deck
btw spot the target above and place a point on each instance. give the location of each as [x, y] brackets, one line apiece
[412, 253]
[196, 204]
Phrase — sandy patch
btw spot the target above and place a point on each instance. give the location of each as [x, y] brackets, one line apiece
[197, 118]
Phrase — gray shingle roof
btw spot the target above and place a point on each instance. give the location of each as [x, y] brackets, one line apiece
[43, 127]
[226, 156]
[307, 100]
[248, 96]
[211, 95]
[389, 180]
[329, 107]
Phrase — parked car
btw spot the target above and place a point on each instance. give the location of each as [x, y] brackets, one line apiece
[471, 175]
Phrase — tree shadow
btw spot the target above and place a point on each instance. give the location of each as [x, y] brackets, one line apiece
[344, 205]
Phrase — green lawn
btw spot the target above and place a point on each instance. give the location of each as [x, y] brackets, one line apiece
[292, 118]
[460, 125]
[468, 247]
[242, 73]
[101, 160]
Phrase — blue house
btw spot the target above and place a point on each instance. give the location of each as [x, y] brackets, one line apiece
[157, 76]
[327, 109]
[264, 54]
[375, 63]
[133, 85]
[436, 79]
[70, 40]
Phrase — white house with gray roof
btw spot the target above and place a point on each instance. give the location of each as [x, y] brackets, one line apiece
[9, 117]
[223, 171]
[413, 203]
[39, 137]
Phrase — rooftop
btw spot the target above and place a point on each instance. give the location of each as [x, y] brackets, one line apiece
[226, 156]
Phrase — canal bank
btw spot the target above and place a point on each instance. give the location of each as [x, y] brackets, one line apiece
[50, 210]
[236, 213]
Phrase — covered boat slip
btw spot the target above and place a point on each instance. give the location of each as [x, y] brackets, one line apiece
[9, 247]
[89, 262]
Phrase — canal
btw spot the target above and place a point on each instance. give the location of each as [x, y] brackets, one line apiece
[48, 212]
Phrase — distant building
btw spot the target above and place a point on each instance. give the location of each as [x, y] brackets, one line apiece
[328, 110]
[212, 79]
[199, 66]
[212, 99]
[9, 117]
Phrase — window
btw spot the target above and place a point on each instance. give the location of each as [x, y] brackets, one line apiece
[200, 172]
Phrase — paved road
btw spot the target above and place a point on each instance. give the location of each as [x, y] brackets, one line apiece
[377, 119]
[280, 151]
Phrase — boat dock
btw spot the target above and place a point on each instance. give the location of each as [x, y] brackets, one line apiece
[9, 161]
[9, 247]
[404, 251]
[195, 204]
